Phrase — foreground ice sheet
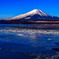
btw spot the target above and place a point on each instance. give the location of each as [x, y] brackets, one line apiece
[31, 43]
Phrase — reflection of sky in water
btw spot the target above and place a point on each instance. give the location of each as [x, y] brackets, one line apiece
[35, 41]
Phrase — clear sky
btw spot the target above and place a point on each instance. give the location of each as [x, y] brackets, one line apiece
[11, 8]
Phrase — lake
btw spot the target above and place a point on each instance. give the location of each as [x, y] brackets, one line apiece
[24, 43]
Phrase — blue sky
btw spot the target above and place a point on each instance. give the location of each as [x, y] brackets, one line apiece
[11, 8]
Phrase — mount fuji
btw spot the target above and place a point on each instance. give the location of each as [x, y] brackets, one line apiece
[35, 15]
[31, 14]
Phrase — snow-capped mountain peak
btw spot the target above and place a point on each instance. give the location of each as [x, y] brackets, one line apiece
[31, 13]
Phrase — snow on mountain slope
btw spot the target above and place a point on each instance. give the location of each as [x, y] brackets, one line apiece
[31, 13]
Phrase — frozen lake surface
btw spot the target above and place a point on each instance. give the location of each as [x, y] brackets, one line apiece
[18, 43]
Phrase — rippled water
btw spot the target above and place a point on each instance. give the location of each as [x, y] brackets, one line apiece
[28, 43]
